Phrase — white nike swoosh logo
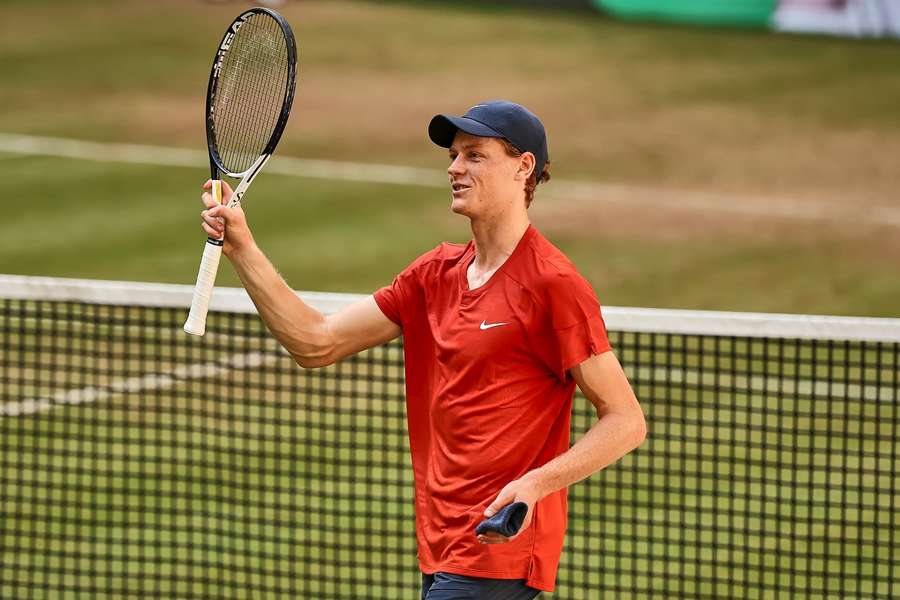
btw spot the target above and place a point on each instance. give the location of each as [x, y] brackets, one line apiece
[487, 326]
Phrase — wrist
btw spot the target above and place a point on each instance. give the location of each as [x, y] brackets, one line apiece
[238, 252]
[540, 481]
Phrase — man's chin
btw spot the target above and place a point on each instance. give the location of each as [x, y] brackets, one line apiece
[460, 207]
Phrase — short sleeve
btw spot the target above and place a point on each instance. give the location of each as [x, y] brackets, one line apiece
[399, 299]
[574, 329]
[392, 299]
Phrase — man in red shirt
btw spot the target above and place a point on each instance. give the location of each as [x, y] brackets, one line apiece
[497, 334]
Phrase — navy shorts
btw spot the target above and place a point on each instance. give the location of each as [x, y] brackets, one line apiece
[447, 586]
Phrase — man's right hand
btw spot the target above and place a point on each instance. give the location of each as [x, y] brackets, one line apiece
[219, 220]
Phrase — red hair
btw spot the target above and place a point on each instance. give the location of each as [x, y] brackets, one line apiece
[533, 179]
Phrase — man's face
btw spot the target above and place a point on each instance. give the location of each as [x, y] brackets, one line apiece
[484, 178]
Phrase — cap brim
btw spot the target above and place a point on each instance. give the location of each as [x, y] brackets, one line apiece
[443, 128]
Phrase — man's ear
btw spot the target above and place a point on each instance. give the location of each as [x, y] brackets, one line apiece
[526, 166]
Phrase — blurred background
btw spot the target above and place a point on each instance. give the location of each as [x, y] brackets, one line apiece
[705, 154]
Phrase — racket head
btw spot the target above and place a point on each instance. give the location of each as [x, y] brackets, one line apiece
[251, 90]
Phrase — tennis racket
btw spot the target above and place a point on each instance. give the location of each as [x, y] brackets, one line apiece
[248, 101]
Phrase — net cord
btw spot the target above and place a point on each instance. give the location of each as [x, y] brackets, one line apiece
[651, 320]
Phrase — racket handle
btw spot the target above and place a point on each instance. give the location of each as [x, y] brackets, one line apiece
[206, 277]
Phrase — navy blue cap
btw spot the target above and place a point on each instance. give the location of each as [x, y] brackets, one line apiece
[496, 118]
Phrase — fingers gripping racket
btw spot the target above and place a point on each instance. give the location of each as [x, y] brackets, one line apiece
[248, 101]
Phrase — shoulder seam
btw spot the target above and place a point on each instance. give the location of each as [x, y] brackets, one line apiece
[546, 261]
[432, 259]
[536, 297]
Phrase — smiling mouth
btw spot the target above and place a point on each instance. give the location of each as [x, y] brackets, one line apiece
[458, 187]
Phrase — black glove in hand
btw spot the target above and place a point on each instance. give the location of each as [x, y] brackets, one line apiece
[506, 522]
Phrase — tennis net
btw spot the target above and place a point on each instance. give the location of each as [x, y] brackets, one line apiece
[137, 461]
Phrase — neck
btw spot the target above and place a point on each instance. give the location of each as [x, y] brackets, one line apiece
[496, 239]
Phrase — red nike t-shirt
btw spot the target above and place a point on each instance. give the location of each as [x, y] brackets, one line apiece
[489, 396]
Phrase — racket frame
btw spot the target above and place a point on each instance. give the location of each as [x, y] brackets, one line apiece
[216, 163]
[212, 252]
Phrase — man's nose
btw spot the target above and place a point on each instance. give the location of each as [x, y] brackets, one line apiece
[456, 166]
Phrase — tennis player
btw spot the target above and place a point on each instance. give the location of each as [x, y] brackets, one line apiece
[497, 334]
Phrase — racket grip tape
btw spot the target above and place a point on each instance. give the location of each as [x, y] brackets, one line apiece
[206, 278]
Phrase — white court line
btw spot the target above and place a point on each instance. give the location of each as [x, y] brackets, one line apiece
[564, 191]
[185, 157]
[144, 383]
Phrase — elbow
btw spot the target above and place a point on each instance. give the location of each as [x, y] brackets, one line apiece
[312, 351]
[313, 361]
[640, 434]
[315, 356]
[310, 363]
[638, 429]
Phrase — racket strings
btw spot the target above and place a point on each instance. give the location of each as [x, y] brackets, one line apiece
[270, 103]
[254, 114]
[250, 94]
[257, 102]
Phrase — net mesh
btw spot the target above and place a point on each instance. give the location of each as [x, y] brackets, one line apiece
[136, 461]
[247, 101]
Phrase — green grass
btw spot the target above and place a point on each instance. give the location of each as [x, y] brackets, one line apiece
[669, 105]
[739, 114]
[139, 223]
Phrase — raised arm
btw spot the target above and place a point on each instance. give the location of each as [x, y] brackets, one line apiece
[313, 339]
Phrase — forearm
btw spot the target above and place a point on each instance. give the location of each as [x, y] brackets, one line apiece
[613, 436]
[301, 329]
